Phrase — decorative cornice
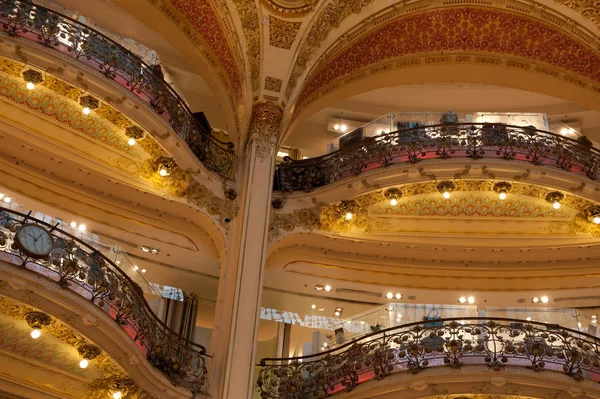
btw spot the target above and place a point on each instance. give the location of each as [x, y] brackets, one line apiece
[290, 8]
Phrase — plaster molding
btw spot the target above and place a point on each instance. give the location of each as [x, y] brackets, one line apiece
[248, 13]
[290, 8]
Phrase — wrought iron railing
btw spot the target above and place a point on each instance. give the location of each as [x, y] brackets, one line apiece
[441, 141]
[77, 266]
[494, 342]
[23, 19]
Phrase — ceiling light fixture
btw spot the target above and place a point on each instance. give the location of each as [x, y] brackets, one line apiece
[343, 127]
[32, 77]
[82, 228]
[165, 166]
[555, 198]
[502, 188]
[389, 295]
[143, 270]
[349, 216]
[313, 306]
[592, 213]
[328, 288]
[528, 319]
[87, 352]
[37, 321]
[471, 300]
[398, 295]
[446, 187]
[117, 395]
[88, 103]
[336, 127]
[338, 312]
[7, 200]
[462, 299]
[535, 300]
[393, 194]
[73, 225]
[134, 133]
[319, 287]
[544, 299]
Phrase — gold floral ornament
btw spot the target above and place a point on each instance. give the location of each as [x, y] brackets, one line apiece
[282, 34]
[290, 8]
[589, 9]
[342, 216]
[588, 221]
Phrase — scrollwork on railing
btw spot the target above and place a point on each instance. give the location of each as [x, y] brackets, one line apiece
[23, 19]
[410, 146]
[494, 342]
[77, 266]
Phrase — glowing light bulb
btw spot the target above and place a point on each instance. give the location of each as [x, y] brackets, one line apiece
[84, 363]
[327, 288]
[544, 299]
[313, 306]
[35, 334]
[82, 228]
[343, 128]
[73, 225]
[30, 86]
[462, 299]
[446, 194]
[389, 295]
[471, 300]
[163, 172]
[528, 319]
[143, 270]
[131, 141]
[556, 205]
[394, 202]
[117, 395]
[535, 300]
[336, 127]
[502, 195]
[7, 200]
[564, 131]
[596, 220]
[349, 216]
[399, 296]
[86, 110]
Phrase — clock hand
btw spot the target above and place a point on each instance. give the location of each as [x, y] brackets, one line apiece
[30, 235]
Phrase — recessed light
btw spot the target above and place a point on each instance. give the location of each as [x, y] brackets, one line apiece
[73, 225]
[143, 270]
[118, 262]
[528, 319]
[82, 228]
[145, 249]
[7, 200]
[319, 287]
[313, 306]
[328, 288]
[544, 299]
[389, 295]
[343, 128]
[535, 300]
[321, 309]
[462, 299]
[398, 296]
[471, 300]
[135, 267]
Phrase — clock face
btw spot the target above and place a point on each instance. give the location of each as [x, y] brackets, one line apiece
[35, 241]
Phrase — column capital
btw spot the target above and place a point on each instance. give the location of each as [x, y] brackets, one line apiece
[264, 125]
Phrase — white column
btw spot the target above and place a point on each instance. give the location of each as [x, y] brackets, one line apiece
[234, 336]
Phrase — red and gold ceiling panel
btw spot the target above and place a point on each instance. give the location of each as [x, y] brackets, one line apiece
[458, 30]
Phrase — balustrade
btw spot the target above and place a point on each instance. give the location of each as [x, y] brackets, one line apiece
[475, 141]
[77, 266]
[495, 342]
[19, 18]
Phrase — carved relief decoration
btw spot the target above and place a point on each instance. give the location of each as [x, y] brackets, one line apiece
[264, 125]
[273, 84]
[201, 24]
[465, 29]
[589, 9]
[329, 18]
[373, 211]
[290, 8]
[252, 31]
[282, 33]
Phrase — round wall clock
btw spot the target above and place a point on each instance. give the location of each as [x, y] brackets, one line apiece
[34, 241]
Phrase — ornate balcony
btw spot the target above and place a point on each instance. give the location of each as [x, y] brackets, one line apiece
[20, 18]
[76, 266]
[460, 140]
[443, 343]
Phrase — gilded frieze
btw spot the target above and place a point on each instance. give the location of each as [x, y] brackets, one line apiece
[252, 31]
[329, 18]
[589, 9]
[290, 8]
[282, 33]
[273, 84]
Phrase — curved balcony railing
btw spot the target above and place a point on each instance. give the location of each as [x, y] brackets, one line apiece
[77, 266]
[473, 141]
[24, 19]
[413, 347]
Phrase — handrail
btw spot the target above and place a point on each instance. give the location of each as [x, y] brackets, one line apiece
[443, 141]
[27, 20]
[452, 342]
[76, 265]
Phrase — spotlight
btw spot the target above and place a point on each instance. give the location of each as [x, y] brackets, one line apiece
[87, 352]
[131, 141]
[462, 299]
[30, 86]
[118, 262]
[36, 333]
[592, 213]
[544, 299]
[349, 216]
[471, 300]
[389, 295]
[154, 251]
[564, 131]
[327, 288]
[83, 364]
